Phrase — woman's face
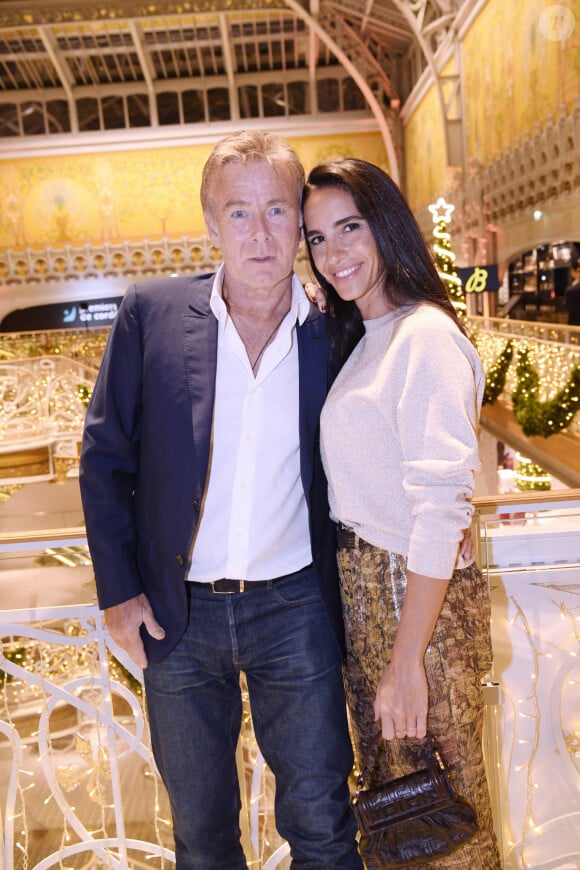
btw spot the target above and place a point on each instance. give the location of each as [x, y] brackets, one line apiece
[344, 249]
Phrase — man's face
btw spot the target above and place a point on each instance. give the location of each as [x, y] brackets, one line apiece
[256, 224]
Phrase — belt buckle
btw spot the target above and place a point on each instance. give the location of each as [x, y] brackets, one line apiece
[225, 591]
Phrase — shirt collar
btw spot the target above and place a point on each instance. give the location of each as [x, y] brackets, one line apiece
[299, 306]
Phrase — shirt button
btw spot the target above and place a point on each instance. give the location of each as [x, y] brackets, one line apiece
[179, 559]
[196, 504]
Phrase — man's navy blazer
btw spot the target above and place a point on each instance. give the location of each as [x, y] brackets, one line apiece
[146, 445]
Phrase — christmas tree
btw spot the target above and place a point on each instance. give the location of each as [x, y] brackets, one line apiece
[444, 256]
[530, 476]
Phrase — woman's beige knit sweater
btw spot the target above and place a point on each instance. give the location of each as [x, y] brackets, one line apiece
[399, 437]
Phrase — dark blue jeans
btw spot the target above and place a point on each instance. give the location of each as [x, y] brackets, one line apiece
[281, 637]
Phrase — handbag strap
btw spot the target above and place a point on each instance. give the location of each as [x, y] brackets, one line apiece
[425, 748]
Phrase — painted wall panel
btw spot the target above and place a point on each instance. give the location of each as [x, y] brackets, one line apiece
[128, 195]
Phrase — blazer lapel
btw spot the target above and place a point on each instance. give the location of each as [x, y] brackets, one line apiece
[200, 330]
[313, 387]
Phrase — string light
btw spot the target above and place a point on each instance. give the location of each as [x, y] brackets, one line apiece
[37, 671]
[61, 661]
[546, 386]
[441, 212]
[496, 375]
[48, 393]
[530, 476]
[63, 666]
[552, 415]
[59, 668]
[529, 754]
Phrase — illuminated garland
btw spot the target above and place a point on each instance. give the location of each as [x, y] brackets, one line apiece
[15, 655]
[543, 418]
[84, 394]
[529, 476]
[444, 256]
[496, 376]
[7, 490]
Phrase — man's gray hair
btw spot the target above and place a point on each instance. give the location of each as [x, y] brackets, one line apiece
[243, 147]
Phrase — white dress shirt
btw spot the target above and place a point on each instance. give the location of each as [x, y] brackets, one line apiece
[254, 522]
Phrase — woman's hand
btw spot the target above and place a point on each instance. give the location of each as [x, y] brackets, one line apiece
[467, 546]
[402, 701]
[316, 294]
[402, 698]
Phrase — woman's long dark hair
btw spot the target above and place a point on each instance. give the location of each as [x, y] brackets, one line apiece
[410, 273]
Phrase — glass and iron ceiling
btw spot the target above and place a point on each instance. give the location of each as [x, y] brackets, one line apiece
[81, 67]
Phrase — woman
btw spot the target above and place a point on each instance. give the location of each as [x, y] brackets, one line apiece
[399, 444]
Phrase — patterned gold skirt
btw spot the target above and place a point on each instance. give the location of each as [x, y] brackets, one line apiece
[373, 584]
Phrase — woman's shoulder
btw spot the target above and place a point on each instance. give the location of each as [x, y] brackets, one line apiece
[429, 331]
[427, 319]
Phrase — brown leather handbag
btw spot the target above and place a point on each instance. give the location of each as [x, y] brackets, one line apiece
[414, 819]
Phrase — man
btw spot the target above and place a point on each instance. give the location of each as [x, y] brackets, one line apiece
[572, 294]
[207, 518]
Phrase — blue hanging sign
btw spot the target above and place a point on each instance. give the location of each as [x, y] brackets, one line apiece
[76, 314]
[476, 279]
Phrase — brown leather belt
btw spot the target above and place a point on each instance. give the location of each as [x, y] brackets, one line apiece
[346, 539]
[227, 586]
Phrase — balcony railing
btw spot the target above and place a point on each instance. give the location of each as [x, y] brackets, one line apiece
[47, 377]
[79, 783]
[78, 779]
[145, 258]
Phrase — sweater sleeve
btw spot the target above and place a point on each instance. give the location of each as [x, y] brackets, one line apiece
[437, 416]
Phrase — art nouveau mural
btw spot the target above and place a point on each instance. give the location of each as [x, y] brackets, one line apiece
[128, 195]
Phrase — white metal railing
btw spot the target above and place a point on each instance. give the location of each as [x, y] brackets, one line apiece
[145, 258]
[126, 260]
[73, 736]
[528, 329]
[74, 743]
[530, 552]
[43, 398]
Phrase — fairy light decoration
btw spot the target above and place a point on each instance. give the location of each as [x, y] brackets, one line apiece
[495, 378]
[89, 719]
[529, 476]
[441, 212]
[536, 637]
[547, 417]
[543, 384]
